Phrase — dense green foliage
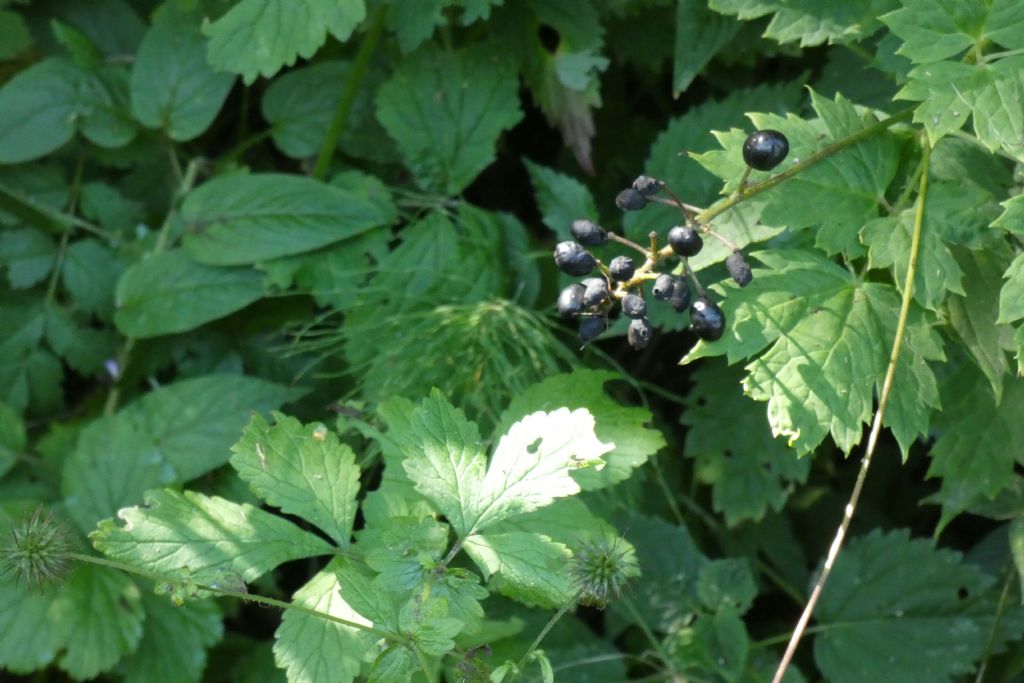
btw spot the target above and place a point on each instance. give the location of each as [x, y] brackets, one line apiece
[277, 326]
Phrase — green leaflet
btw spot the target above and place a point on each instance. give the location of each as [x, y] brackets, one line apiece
[811, 22]
[560, 198]
[28, 254]
[174, 641]
[933, 32]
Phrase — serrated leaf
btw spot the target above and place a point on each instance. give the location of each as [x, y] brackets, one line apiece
[560, 198]
[174, 530]
[933, 32]
[1012, 218]
[30, 376]
[314, 650]
[258, 37]
[104, 614]
[950, 92]
[749, 470]
[700, 34]
[446, 110]
[626, 427]
[172, 87]
[525, 566]
[1011, 296]
[415, 22]
[239, 219]
[811, 22]
[28, 254]
[33, 627]
[303, 470]
[90, 274]
[169, 293]
[898, 610]
[404, 549]
[174, 641]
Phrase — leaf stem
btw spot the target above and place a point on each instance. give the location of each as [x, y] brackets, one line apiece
[348, 93]
[876, 426]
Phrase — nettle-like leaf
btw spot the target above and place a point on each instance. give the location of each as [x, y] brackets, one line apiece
[446, 110]
[825, 339]
[811, 22]
[303, 470]
[258, 37]
[750, 471]
[836, 196]
[173, 531]
[899, 610]
[560, 198]
[700, 34]
[934, 32]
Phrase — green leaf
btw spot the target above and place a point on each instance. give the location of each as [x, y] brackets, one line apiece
[446, 110]
[258, 37]
[414, 22]
[1011, 296]
[172, 87]
[749, 470]
[13, 440]
[82, 347]
[700, 34]
[1017, 546]
[169, 293]
[28, 255]
[14, 35]
[949, 92]
[174, 530]
[33, 627]
[104, 615]
[404, 549]
[314, 650]
[39, 109]
[174, 641]
[933, 32]
[239, 219]
[525, 566]
[898, 610]
[1012, 218]
[626, 427]
[303, 470]
[90, 274]
[560, 198]
[811, 22]
[726, 583]
[718, 643]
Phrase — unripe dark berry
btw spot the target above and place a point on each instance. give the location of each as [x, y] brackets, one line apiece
[685, 241]
[707, 319]
[634, 306]
[592, 327]
[596, 291]
[639, 333]
[630, 200]
[588, 232]
[570, 300]
[763, 150]
[662, 287]
[680, 298]
[572, 259]
[621, 268]
[647, 186]
[739, 269]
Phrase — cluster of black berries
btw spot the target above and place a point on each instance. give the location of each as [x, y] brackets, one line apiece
[621, 280]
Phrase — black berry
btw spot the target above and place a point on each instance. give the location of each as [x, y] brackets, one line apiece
[707, 319]
[570, 300]
[639, 333]
[685, 241]
[573, 259]
[646, 185]
[592, 328]
[630, 200]
[680, 298]
[634, 306]
[596, 291]
[588, 232]
[765, 149]
[739, 269]
[663, 286]
[621, 268]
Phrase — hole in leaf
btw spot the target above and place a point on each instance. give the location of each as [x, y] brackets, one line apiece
[549, 38]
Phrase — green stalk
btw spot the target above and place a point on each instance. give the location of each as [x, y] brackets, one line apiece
[876, 425]
[349, 92]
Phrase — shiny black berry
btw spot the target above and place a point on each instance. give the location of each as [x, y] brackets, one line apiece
[685, 241]
[646, 185]
[765, 149]
[592, 328]
[588, 232]
[572, 259]
[621, 268]
[570, 300]
[680, 298]
[707, 319]
[639, 333]
[634, 306]
[663, 286]
[596, 291]
[630, 200]
[739, 269]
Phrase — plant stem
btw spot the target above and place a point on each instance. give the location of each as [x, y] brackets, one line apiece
[1000, 609]
[876, 426]
[349, 92]
[58, 264]
[659, 648]
[543, 632]
[629, 243]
